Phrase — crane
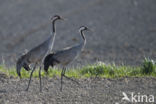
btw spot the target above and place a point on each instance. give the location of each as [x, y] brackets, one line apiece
[37, 54]
[65, 56]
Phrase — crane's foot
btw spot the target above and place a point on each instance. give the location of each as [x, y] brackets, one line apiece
[61, 85]
[26, 89]
[40, 89]
[61, 89]
[72, 80]
[96, 77]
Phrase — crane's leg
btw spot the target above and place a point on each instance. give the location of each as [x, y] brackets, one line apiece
[62, 74]
[30, 77]
[40, 79]
[69, 77]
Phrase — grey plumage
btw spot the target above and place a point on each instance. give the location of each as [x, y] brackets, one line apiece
[65, 56]
[37, 54]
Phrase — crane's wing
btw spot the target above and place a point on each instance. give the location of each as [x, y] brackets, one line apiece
[68, 54]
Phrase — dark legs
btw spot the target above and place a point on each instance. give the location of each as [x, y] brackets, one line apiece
[40, 78]
[63, 75]
[30, 77]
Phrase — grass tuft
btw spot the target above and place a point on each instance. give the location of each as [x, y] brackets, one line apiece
[148, 66]
[100, 69]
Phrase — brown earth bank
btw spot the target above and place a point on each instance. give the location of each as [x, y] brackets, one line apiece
[123, 30]
[90, 91]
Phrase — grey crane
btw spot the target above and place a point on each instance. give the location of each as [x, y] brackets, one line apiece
[36, 55]
[65, 56]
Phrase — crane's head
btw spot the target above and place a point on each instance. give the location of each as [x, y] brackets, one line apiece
[56, 17]
[83, 28]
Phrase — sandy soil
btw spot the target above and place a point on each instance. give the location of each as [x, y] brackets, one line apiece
[99, 91]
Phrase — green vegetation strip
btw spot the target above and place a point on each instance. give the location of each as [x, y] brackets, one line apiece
[148, 68]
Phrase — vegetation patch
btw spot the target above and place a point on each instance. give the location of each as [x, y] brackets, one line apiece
[100, 69]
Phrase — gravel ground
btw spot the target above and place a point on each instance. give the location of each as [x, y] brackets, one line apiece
[99, 91]
[123, 30]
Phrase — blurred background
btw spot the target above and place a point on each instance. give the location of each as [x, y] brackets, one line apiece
[124, 31]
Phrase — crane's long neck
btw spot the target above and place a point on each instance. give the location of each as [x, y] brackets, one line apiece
[53, 33]
[53, 26]
[83, 37]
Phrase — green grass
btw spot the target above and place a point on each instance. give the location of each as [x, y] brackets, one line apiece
[148, 68]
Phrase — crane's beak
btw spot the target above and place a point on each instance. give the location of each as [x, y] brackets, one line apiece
[64, 19]
[89, 30]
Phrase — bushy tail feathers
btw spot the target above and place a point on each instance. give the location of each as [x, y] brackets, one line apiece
[49, 61]
[26, 67]
[18, 68]
[21, 64]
